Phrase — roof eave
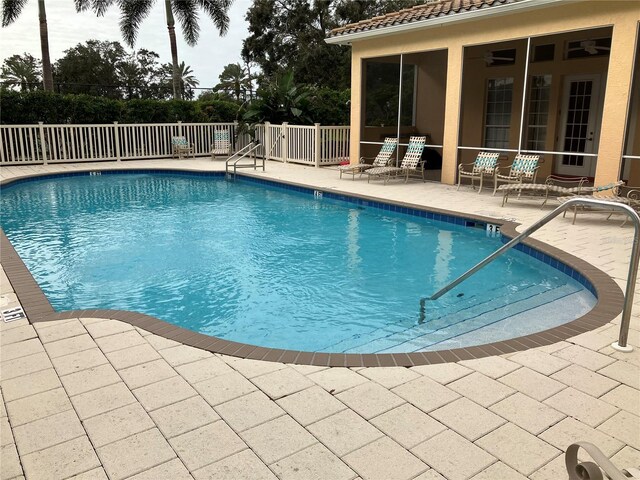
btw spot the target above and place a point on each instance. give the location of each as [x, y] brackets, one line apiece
[468, 16]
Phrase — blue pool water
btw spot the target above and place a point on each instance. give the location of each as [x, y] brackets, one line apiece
[272, 267]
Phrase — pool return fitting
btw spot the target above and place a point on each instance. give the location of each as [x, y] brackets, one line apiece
[621, 344]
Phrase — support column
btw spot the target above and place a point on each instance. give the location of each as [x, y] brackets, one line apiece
[357, 120]
[616, 101]
[452, 113]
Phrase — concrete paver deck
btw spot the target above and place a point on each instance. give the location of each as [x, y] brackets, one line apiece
[99, 398]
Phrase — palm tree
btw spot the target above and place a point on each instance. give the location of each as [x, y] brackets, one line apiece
[21, 70]
[186, 81]
[132, 12]
[235, 79]
[11, 10]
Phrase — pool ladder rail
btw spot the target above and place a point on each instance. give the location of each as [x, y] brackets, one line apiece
[621, 344]
[243, 154]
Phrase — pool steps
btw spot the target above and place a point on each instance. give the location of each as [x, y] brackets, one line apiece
[454, 320]
[453, 313]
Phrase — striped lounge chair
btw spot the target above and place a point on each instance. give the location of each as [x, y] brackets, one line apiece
[410, 162]
[630, 198]
[551, 187]
[221, 144]
[523, 169]
[485, 165]
[381, 160]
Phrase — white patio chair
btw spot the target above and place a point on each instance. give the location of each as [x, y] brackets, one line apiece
[485, 165]
[221, 144]
[181, 147]
[523, 169]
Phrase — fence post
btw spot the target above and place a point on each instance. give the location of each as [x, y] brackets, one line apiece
[234, 138]
[43, 145]
[285, 142]
[267, 140]
[180, 128]
[116, 136]
[316, 137]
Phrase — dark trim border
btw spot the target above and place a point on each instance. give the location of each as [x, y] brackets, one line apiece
[608, 294]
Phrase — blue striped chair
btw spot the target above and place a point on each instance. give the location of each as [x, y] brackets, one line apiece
[523, 169]
[485, 165]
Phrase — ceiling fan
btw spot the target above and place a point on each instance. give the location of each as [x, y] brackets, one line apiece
[590, 46]
[489, 58]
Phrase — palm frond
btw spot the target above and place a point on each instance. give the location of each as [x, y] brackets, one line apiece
[99, 7]
[11, 10]
[217, 10]
[132, 13]
[186, 12]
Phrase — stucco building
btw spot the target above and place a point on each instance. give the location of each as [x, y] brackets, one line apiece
[556, 77]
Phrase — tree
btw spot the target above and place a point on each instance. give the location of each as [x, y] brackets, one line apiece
[11, 10]
[141, 75]
[22, 71]
[186, 81]
[235, 81]
[132, 12]
[91, 68]
[290, 34]
[105, 68]
[281, 100]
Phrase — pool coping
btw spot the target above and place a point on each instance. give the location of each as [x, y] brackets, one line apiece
[608, 293]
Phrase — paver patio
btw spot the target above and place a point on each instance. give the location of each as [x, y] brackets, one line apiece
[98, 398]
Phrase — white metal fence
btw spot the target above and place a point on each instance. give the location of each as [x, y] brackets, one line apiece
[42, 144]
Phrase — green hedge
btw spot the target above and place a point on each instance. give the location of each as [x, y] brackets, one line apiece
[18, 108]
[328, 107]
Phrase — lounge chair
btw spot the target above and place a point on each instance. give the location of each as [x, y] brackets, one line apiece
[410, 162]
[181, 147]
[485, 165]
[630, 198]
[551, 187]
[221, 144]
[381, 160]
[523, 169]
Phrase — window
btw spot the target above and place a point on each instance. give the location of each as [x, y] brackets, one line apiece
[538, 112]
[543, 53]
[498, 112]
[381, 94]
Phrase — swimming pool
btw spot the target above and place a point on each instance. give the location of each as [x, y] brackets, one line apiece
[252, 262]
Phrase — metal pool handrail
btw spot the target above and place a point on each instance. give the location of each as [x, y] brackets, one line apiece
[250, 148]
[621, 344]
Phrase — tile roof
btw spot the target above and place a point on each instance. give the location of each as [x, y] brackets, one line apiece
[427, 11]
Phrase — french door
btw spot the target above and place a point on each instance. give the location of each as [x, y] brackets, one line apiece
[581, 114]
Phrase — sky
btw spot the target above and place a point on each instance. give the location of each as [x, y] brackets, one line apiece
[68, 28]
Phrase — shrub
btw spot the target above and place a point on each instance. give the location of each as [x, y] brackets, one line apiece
[24, 108]
[282, 102]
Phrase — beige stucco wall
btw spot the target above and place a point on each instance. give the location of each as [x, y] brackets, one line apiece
[621, 16]
[632, 173]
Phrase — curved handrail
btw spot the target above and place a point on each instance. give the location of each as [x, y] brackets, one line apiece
[590, 470]
[621, 345]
